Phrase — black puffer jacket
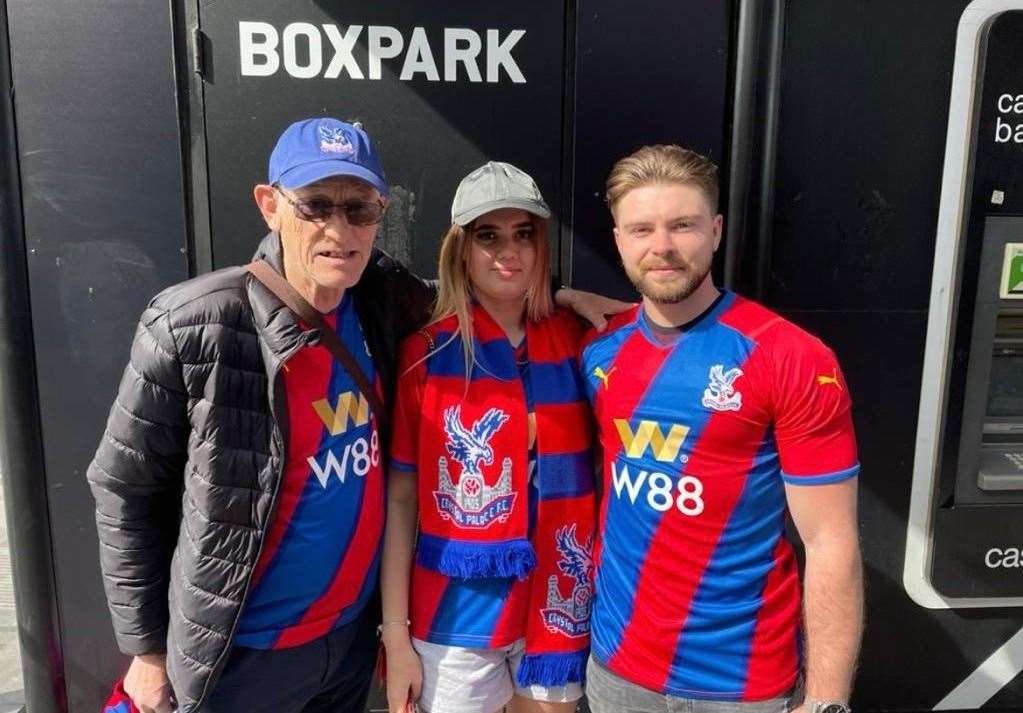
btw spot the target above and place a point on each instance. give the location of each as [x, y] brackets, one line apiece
[186, 476]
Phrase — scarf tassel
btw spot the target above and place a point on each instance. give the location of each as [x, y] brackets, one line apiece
[553, 669]
[471, 560]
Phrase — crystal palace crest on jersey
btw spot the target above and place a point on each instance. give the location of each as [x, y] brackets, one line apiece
[570, 616]
[471, 502]
[720, 393]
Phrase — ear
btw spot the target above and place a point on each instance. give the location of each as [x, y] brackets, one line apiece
[267, 202]
[618, 239]
[718, 224]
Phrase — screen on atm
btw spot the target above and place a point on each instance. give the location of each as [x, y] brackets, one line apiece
[1005, 395]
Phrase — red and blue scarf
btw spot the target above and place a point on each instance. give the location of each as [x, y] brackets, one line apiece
[474, 480]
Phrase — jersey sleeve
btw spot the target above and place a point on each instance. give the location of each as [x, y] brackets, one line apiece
[408, 403]
[813, 414]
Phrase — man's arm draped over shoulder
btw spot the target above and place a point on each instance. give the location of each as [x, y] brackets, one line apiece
[136, 478]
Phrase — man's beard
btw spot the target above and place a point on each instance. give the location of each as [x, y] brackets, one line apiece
[689, 280]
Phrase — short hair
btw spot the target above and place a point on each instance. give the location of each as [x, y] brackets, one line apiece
[663, 163]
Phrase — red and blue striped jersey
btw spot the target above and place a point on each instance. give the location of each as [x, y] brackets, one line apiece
[319, 563]
[698, 592]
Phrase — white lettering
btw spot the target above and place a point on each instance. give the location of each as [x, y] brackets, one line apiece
[499, 55]
[315, 46]
[264, 50]
[384, 43]
[419, 58]
[622, 479]
[331, 467]
[987, 558]
[690, 496]
[361, 460]
[361, 454]
[1013, 134]
[467, 54]
[660, 490]
[1008, 103]
[343, 58]
[658, 494]
[1009, 558]
[250, 49]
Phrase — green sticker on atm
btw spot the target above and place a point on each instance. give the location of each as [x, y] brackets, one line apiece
[1012, 272]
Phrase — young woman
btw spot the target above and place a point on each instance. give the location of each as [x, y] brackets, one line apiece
[491, 468]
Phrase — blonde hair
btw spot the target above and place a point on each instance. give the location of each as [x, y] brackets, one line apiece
[663, 163]
[455, 293]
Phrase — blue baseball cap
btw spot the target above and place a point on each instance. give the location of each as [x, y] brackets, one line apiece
[313, 149]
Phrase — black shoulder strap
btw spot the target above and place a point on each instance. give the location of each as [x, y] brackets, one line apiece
[287, 294]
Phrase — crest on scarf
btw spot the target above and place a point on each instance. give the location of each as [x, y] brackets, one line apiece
[471, 502]
[335, 140]
[570, 615]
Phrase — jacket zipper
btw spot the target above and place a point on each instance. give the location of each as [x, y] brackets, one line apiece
[221, 661]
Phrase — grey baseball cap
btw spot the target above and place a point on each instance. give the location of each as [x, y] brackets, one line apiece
[493, 186]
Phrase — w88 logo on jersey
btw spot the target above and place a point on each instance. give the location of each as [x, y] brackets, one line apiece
[659, 490]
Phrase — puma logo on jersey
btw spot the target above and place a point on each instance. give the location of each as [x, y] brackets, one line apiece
[824, 379]
[602, 375]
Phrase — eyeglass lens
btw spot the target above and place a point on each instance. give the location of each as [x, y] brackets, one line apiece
[356, 212]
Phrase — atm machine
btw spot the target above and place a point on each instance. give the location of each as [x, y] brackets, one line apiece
[965, 531]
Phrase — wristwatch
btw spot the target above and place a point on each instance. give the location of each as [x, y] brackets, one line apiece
[829, 707]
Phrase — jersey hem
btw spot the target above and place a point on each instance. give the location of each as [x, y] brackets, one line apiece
[465, 641]
[823, 478]
[401, 465]
[693, 694]
[254, 640]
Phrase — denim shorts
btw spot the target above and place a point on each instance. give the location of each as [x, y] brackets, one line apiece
[607, 692]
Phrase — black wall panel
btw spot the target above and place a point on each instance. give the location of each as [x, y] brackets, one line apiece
[104, 221]
[645, 73]
[864, 111]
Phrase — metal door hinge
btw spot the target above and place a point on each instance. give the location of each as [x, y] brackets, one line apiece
[199, 41]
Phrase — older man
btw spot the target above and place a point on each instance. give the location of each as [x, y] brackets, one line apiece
[239, 493]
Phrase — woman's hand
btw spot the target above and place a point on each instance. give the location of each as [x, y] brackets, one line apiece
[590, 306]
[404, 671]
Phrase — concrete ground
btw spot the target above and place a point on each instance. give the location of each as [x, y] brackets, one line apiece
[12, 694]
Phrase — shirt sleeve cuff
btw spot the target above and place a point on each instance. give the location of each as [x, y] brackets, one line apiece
[403, 466]
[821, 478]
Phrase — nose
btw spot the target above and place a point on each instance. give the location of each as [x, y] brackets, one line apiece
[506, 248]
[337, 224]
[660, 242]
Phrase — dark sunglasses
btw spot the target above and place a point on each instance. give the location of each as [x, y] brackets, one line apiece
[319, 210]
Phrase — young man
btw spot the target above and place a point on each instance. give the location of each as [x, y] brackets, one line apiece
[238, 485]
[715, 417]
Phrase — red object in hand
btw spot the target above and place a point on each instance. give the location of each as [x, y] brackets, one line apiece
[119, 701]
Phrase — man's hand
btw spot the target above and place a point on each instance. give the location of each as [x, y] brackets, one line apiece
[590, 306]
[404, 672]
[147, 685]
